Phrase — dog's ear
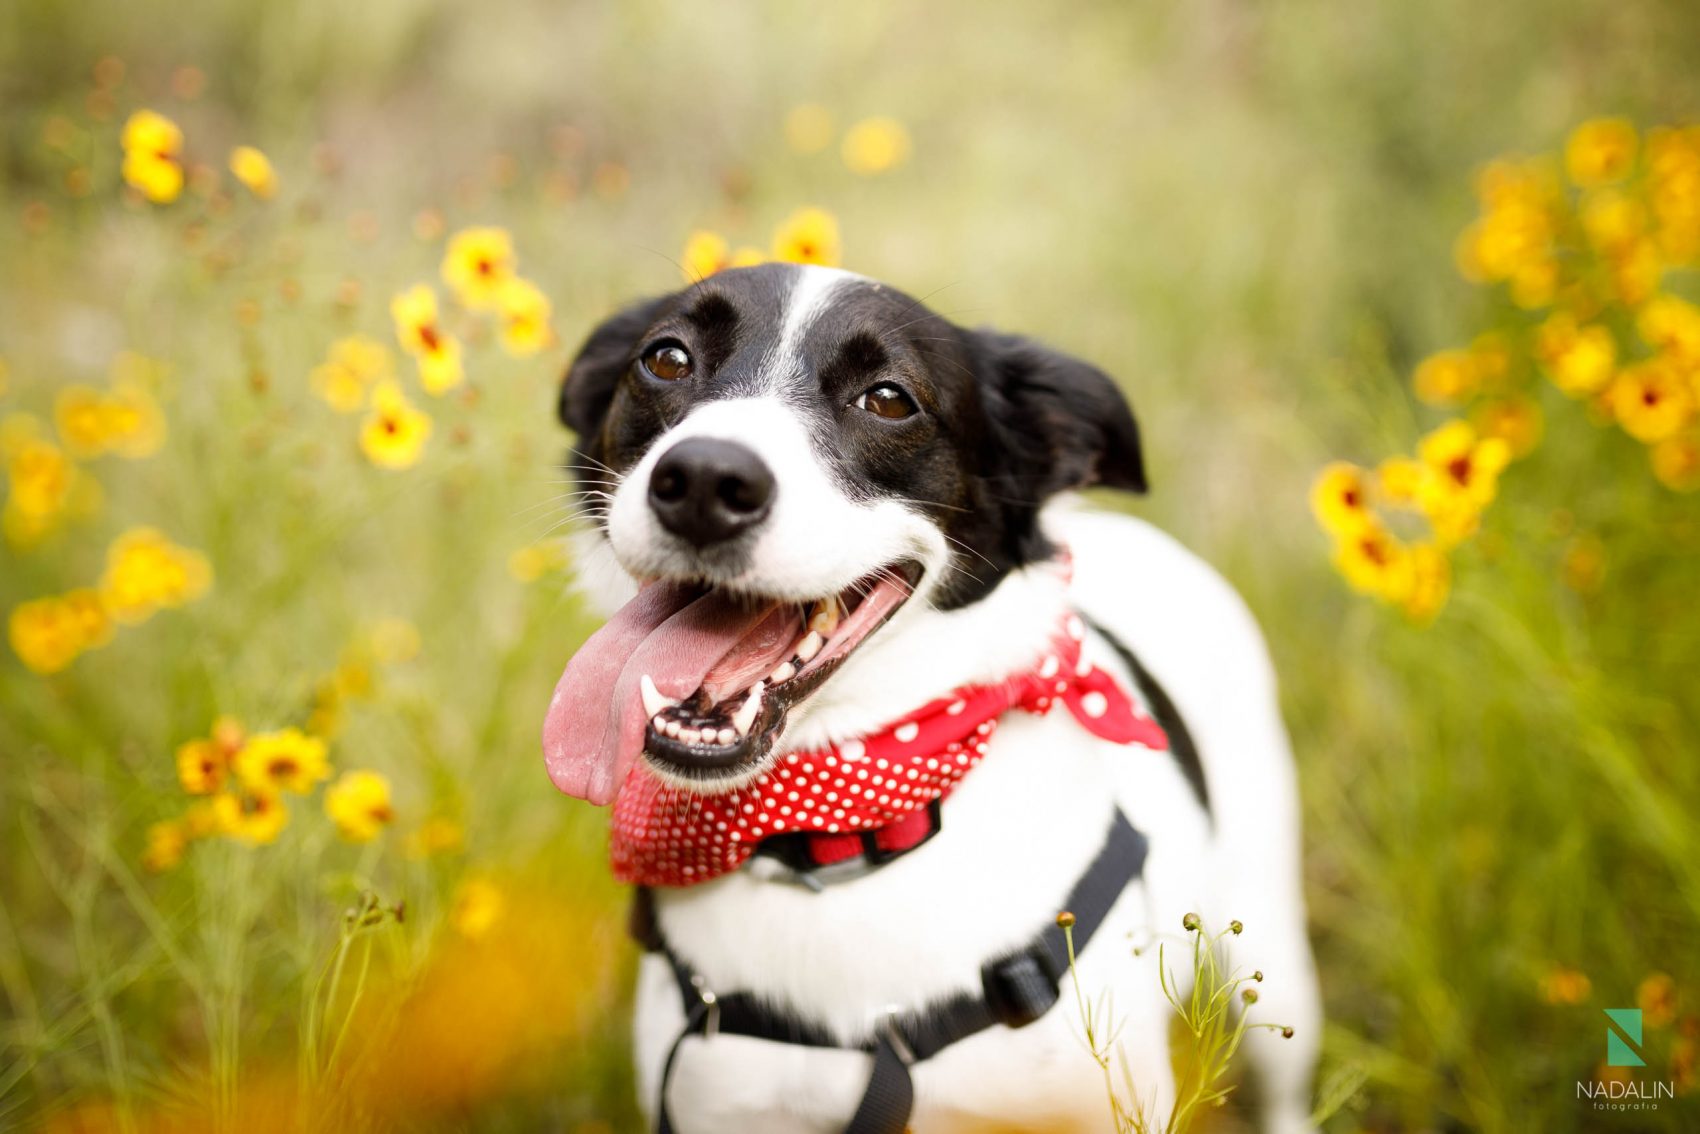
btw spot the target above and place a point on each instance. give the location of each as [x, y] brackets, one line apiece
[1063, 419]
[595, 373]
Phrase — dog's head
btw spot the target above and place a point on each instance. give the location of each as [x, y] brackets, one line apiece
[783, 456]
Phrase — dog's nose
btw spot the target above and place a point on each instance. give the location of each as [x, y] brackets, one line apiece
[706, 490]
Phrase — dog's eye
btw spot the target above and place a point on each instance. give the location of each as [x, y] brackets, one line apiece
[667, 361]
[886, 400]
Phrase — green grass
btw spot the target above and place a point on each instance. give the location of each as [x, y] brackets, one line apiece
[1243, 212]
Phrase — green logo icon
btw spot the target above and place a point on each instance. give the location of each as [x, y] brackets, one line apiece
[1623, 1038]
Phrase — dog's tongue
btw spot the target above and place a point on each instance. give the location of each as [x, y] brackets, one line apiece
[671, 631]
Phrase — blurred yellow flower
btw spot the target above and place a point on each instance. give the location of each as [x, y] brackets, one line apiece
[165, 845]
[1613, 220]
[394, 640]
[1578, 359]
[1651, 400]
[1584, 564]
[1600, 151]
[253, 819]
[359, 804]
[1430, 583]
[201, 766]
[1446, 378]
[477, 907]
[477, 263]
[705, 253]
[1636, 271]
[395, 433]
[353, 365]
[45, 634]
[1399, 478]
[420, 333]
[1676, 462]
[135, 427]
[40, 478]
[875, 145]
[1460, 478]
[1566, 986]
[253, 169]
[437, 835]
[1340, 498]
[285, 760]
[146, 571]
[94, 624]
[808, 128]
[1373, 561]
[1656, 997]
[808, 236]
[529, 563]
[79, 414]
[1673, 190]
[524, 317]
[1515, 420]
[1672, 326]
[746, 256]
[153, 148]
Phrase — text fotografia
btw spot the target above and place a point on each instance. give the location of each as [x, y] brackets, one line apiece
[1610, 1094]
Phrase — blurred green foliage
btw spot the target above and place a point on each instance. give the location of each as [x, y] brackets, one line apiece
[1243, 211]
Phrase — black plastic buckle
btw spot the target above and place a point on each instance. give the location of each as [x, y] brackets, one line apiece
[1020, 988]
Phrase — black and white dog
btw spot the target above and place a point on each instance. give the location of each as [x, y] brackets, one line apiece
[827, 521]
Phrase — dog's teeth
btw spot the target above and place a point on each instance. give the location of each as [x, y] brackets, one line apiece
[810, 646]
[654, 702]
[659, 723]
[785, 672]
[824, 620]
[726, 736]
[674, 728]
[746, 714]
[690, 735]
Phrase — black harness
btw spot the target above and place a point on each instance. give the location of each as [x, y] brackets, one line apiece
[1015, 988]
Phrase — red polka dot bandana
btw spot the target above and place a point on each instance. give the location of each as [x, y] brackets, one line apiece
[666, 836]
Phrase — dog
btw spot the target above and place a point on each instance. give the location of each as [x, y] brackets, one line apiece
[823, 519]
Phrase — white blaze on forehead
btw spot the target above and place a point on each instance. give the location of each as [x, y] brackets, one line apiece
[810, 295]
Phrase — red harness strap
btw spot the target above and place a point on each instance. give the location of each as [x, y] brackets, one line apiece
[884, 783]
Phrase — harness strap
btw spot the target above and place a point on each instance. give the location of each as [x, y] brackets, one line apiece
[1016, 989]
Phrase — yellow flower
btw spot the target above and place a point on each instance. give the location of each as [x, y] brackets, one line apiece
[1399, 479]
[875, 145]
[420, 333]
[1460, 478]
[1651, 400]
[1613, 220]
[202, 765]
[808, 236]
[808, 128]
[146, 571]
[477, 907]
[1446, 378]
[1374, 562]
[478, 262]
[253, 819]
[524, 311]
[1671, 325]
[437, 835]
[286, 760]
[359, 804]
[253, 169]
[1430, 583]
[1515, 420]
[1561, 985]
[1636, 272]
[526, 564]
[1676, 462]
[746, 256]
[1656, 997]
[354, 363]
[1600, 151]
[94, 624]
[79, 414]
[40, 478]
[46, 634]
[153, 147]
[394, 640]
[165, 846]
[1578, 359]
[395, 433]
[1341, 498]
[705, 253]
